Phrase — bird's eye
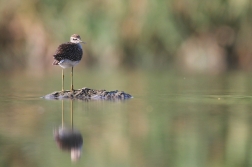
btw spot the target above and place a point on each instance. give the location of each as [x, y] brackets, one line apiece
[75, 39]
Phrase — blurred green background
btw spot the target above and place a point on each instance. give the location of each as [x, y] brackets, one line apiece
[173, 120]
[199, 36]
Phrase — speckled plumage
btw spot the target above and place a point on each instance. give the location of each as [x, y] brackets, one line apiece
[71, 51]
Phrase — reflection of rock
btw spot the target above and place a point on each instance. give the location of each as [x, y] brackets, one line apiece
[69, 140]
[87, 94]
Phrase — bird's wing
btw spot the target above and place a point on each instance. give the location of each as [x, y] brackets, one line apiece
[69, 51]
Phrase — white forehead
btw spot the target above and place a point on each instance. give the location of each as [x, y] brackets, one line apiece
[75, 36]
[72, 37]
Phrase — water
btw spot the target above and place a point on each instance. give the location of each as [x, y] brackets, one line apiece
[173, 120]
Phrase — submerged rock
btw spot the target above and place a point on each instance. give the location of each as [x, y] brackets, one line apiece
[88, 94]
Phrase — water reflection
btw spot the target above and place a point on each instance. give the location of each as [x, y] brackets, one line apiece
[67, 138]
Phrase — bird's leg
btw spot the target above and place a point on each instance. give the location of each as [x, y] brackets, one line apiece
[72, 80]
[62, 79]
[72, 114]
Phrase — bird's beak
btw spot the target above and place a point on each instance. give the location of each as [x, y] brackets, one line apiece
[82, 42]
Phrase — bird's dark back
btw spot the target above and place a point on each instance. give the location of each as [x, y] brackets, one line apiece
[70, 51]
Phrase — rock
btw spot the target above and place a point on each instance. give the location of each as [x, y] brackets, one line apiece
[89, 94]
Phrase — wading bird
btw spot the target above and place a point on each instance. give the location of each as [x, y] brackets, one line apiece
[68, 55]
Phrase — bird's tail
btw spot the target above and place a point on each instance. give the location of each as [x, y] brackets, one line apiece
[56, 62]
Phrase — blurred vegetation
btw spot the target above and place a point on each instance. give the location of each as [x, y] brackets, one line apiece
[195, 36]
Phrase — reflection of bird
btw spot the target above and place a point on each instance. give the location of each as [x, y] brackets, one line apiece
[68, 55]
[69, 140]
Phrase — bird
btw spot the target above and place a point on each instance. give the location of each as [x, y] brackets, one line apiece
[68, 55]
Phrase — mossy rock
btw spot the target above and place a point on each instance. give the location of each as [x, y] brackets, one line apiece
[89, 94]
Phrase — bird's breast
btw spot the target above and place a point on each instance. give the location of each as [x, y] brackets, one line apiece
[68, 63]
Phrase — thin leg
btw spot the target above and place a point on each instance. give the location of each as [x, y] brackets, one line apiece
[72, 114]
[72, 80]
[62, 79]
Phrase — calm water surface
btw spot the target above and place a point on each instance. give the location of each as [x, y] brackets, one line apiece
[173, 120]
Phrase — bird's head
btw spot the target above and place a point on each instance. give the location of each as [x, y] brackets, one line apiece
[75, 38]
